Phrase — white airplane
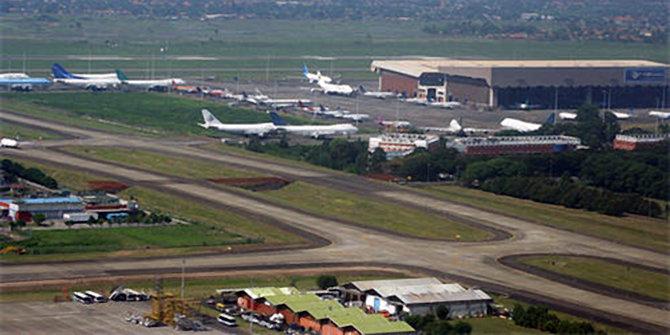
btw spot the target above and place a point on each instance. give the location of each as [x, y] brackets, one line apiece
[324, 111]
[455, 128]
[446, 104]
[567, 116]
[14, 75]
[315, 77]
[621, 116]
[523, 126]
[395, 124]
[60, 72]
[336, 89]
[315, 131]
[96, 84]
[358, 117]
[149, 84]
[255, 129]
[417, 101]
[265, 100]
[660, 115]
[378, 95]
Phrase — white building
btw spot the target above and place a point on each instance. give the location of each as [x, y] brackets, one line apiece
[401, 144]
[421, 296]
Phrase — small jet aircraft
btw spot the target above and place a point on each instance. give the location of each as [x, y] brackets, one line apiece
[524, 126]
[378, 95]
[315, 77]
[660, 115]
[253, 129]
[335, 89]
[314, 131]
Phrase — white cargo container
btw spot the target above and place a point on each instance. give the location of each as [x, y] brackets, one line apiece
[9, 143]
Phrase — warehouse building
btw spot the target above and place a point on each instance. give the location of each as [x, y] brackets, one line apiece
[420, 296]
[511, 145]
[51, 208]
[559, 84]
[327, 317]
[402, 144]
[640, 141]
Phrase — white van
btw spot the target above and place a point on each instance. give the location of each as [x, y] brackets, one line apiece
[96, 297]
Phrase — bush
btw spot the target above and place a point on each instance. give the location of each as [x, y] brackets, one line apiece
[326, 281]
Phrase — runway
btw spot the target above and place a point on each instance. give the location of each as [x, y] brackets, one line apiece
[474, 263]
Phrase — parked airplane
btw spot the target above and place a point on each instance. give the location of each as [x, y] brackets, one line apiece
[262, 99]
[456, 128]
[255, 129]
[14, 75]
[397, 125]
[336, 89]
[378, 95]
[62, 73]
[358, 117]
[96, 84]
[567, 116]
[417, 101]
[21, 81]
[315, 131]
[523, 126]
[621, 116]
[150, 84]
[660, 115]
[315, 77]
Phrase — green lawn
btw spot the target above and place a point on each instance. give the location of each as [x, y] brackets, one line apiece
[171, 165]
[627, 278]
[127, 238]
[634, 230]
[368, 212]
[215, 228]
[248, 47]
[130, 112]
[25, 133]
[494, 325]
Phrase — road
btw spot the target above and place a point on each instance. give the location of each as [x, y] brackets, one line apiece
[469, 262]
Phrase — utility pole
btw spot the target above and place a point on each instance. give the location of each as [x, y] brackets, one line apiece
[183, 272]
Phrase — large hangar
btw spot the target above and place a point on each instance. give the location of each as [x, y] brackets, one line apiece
[538, 83]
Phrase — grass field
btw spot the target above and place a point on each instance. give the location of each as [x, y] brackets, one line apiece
[246, 48]
[215, 228]
[633, 230]
[25, 133]
[348, 206]
[149, 113]
[627, 278]
[171, 165]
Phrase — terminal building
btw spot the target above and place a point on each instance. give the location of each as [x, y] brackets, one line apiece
[559, 84]
[402, 144]
[639, 142]
[511, 145]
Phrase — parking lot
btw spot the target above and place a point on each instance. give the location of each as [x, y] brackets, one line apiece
[75, 318]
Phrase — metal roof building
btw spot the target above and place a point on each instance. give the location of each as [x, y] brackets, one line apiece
[546, 83]
[421, 296]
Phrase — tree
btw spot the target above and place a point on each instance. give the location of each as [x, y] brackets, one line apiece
[442, 312]
[39, 218]
[326, 281]
[462, 328]
[377, 158]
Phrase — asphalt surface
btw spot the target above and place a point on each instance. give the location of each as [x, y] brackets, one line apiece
[470, 262]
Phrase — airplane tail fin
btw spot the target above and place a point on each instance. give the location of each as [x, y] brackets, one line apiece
[362, 89]
[551, 119]
[305, 70]
[209, 118]
[122, 76]
[277, 120]
[59, 71]
[455, 126]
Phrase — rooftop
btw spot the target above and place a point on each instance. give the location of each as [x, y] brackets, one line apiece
[415, 67]
[55, 200]
[439, 297]
[514, 140]
[265, 292]
[365, 285]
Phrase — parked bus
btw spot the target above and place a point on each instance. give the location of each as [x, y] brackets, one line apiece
[81, 298]
[96, 297]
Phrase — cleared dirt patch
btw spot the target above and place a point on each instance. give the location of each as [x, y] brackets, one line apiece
[254, 184]
[107, 186]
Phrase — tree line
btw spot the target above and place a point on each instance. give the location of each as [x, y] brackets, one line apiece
[538, 317]
[14, 170]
